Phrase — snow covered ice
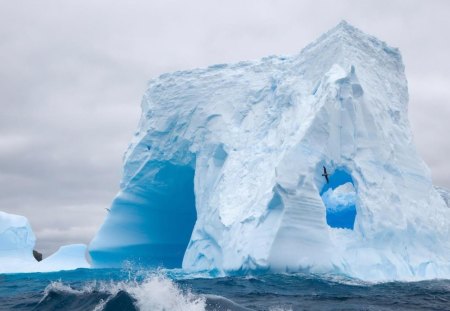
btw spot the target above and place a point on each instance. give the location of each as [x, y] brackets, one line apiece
[17, 242]
[224, 171]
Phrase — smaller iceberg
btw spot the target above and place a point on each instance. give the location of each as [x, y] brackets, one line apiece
[68, 257]
[17, 242]
[340, 206]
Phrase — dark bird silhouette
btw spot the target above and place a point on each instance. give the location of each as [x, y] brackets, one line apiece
[107, 209]
[325, 174]
[148, 148]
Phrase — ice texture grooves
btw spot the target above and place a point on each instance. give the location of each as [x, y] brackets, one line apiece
[246, 144]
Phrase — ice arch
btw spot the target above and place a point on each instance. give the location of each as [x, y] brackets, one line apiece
[339, 198]
[258, 194]
[151, 220]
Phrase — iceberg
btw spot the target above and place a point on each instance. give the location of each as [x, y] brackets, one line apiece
[17, 242]
[67, 257]
[224, 172]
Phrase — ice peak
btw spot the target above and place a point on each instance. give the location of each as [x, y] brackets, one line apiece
[347, 46]
[346, 34]
[344, 26]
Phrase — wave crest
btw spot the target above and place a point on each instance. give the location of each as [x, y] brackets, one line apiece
[155, 292]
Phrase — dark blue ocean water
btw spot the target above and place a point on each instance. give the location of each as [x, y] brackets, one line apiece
[172, 290]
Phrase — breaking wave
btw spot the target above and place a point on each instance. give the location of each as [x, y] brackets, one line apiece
[154, 293]
[114, 289]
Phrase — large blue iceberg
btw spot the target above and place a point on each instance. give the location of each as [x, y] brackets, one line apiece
[225, 170]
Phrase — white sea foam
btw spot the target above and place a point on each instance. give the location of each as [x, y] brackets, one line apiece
[155, 292]
[280, 308]
[160, 293]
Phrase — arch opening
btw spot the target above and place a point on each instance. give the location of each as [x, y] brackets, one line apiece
[151, 221]
[339, 198]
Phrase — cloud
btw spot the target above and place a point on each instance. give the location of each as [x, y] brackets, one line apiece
[73, 72]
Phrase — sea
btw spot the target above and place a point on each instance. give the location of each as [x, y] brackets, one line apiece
[173, 290]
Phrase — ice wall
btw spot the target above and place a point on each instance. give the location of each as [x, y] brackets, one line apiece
[236, 152]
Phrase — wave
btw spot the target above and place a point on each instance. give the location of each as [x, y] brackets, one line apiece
[155, 292]
[137, 289]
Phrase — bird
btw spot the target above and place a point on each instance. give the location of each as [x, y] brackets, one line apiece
[107, 209]
[325, 174]
[148, 148]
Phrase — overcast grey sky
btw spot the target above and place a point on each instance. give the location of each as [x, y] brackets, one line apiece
[72, 74]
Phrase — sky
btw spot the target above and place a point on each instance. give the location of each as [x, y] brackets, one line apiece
[72, 74]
